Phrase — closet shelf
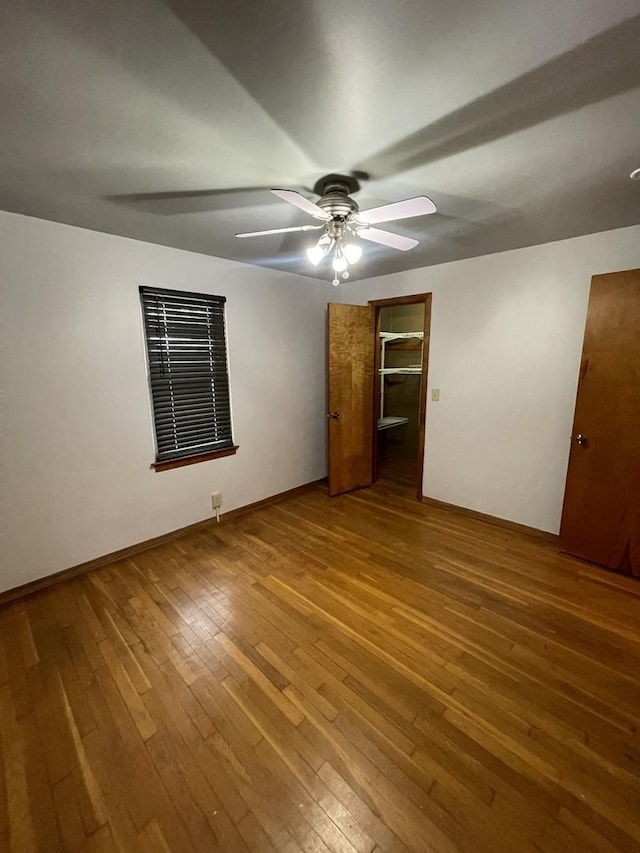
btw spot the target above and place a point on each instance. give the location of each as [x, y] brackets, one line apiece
[388, 337]
[389, 422]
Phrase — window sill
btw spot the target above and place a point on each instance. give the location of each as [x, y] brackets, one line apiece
[192, 460]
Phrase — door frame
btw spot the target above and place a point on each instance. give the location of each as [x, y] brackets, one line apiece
[411, 299]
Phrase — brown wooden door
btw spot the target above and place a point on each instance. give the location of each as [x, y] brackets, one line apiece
[601, 513]
[350, 416]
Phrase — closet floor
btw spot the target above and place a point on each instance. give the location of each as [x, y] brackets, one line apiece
[403, 472]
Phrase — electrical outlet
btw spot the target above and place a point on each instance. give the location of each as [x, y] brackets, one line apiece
[216, 500]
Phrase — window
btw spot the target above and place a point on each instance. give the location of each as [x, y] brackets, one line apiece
[188, 375]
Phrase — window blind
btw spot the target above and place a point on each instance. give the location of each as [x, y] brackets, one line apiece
[188, 374]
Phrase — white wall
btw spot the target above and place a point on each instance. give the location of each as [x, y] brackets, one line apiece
[506, 339]
[77, 435]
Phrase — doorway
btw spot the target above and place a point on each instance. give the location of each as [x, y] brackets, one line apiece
[402, 357]
[356, 413]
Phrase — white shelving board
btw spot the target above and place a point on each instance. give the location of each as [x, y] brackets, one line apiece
[387, 338]
[389, 422]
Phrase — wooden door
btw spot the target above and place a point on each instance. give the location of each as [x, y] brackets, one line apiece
[350, 416]
[601, 513]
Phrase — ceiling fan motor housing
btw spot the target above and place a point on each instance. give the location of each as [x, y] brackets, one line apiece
[338, 205]
[334, 191]
[345, 184]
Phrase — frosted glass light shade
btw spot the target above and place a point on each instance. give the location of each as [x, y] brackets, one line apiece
[315, 254]
[352, 252]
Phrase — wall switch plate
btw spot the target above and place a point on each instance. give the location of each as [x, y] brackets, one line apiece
[216, 499]
[435, 394]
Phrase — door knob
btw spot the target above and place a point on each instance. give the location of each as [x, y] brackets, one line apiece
[582, 440]
[335, 415]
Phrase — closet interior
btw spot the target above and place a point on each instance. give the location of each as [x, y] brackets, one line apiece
[400, 342]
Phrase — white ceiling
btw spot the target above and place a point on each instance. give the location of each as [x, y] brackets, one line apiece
[520, 119]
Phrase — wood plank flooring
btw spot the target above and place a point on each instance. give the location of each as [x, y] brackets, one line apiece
[403, 472]
[362, 673]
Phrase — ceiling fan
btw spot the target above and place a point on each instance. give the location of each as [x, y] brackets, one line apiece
[341, 220]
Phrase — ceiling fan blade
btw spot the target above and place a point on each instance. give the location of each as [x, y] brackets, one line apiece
[396, 241]
[279, 231]
[298, 200]
[418, 206]
[174, 202]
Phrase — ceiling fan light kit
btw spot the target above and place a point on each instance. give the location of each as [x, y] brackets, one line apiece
[342, 221]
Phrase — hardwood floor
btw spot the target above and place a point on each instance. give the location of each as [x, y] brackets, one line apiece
[357, 673]
[402, 472]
